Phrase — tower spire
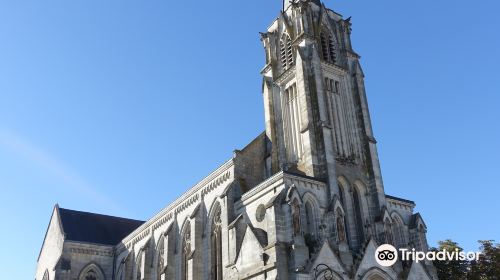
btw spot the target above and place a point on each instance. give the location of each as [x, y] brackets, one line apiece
[287, 3]
[317, 117]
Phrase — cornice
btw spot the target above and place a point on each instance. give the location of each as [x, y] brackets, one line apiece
[93, 252]
[282, 175]
[85, 248]
[328, 67]
[285, 76]
[271, 180]
[191, 196]
[352, 54]
[265, 69]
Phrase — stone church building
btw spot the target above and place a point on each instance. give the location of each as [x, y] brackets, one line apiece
[304, 200]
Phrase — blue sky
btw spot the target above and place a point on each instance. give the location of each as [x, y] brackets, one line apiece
[118, 107]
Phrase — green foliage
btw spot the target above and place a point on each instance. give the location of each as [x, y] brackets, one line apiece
[452, 270]
[486, 268]
[488, 265]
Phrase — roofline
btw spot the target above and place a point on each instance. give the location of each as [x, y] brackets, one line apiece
[275, 178]
[255, 139]
[54, 210]
[69, 241]
[305, 177]
[104, 215]
[400, 199]
[171, 206]
[418, 215]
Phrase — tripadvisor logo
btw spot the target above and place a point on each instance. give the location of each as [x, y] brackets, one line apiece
[387, 255]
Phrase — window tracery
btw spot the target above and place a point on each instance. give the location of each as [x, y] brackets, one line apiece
[216, 246]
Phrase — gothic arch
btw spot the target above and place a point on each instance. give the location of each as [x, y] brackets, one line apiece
[395, 216]
[376, 274]
[328, 45]
[214, 233]
[311, 221]
[324, 21]
[159, 260]
[399, 230]
[216, 206]
[345, 189]
[46, 275]
[363, 193]
[91, 272]
[286, 51]
[121, 269]
[308, 196]
[343, 180]
[311, 211]
[389, 238]
[385, 214]
[286, 25]
[337, 205]
[344, 186]
[358, 214]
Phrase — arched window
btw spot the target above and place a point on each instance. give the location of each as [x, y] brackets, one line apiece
[160, 263]
[328, 46]
[286, 53]
[292, 120]
[388, 232]
[358, 215]
[296, 217]
[216, 246]
[91, 275]
[398, 232]
[186, 251]
[46, 275]
[310, 219]
[91, 272]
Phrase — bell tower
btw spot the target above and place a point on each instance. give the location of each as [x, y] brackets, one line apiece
[316, 110]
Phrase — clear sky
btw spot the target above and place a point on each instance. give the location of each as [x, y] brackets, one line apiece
[119, 106]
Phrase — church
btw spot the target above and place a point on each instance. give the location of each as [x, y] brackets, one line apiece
[303, 200]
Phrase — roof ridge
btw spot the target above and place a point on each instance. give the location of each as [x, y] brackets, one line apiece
[99, 214]
[95, 228]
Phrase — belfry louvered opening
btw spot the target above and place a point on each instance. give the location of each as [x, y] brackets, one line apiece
[286, 53]
[328, 46]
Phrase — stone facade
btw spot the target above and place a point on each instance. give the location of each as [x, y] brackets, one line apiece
[304, 200]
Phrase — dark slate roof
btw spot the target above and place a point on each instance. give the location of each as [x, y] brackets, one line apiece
[95, 228]
[400, 199]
